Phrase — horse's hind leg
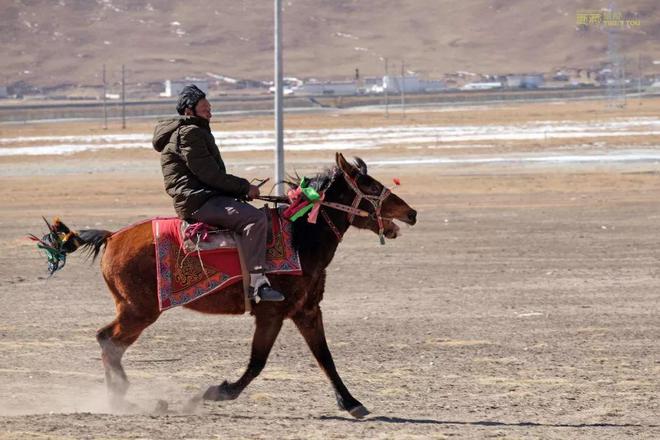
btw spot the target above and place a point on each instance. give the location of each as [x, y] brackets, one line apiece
[114, 339]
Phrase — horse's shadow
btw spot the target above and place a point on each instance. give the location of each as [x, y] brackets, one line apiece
[485, 423]
[495, 423]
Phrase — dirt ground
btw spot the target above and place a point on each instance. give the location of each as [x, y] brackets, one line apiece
[524, 304]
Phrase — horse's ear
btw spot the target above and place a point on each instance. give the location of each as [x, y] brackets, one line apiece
[346, 167]
[359, 163]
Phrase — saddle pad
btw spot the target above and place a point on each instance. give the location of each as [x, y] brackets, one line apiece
[185, 276]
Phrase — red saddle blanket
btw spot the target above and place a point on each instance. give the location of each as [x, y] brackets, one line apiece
[184, 277]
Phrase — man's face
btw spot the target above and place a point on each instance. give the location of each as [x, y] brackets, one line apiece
[202, 109]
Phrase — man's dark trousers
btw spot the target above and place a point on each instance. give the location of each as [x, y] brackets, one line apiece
[249, 223]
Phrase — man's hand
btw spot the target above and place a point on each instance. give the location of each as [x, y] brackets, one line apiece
[253, 192]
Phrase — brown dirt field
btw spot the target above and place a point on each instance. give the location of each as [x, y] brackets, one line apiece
[524, 304]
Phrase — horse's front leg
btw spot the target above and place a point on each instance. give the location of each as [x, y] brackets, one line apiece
[310, 324]
[269, 323]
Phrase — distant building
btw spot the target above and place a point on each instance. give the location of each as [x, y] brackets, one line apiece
[289, 85]
[603, 75]
[412, 84]
[333, 88]
[3, 92]
[371, 85]
[407, 84]
[373, 81]
[433, 85]
[174, 87]
[528, 81]
[482, 85]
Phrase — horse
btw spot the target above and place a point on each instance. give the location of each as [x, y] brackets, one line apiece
[128, 265]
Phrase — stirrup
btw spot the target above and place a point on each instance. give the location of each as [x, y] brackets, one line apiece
[265, 293]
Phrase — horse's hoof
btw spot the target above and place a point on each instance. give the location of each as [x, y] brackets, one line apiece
[212, 393]
[359, 412]
[219, 392]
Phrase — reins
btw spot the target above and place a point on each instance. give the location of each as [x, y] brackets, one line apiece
[338, 206]
[351, 210]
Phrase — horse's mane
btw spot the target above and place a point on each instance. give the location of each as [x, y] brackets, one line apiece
[318, 182]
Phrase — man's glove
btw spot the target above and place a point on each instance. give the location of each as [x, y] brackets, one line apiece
[253, 193]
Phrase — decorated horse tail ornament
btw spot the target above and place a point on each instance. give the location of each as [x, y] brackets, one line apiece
[61, 241]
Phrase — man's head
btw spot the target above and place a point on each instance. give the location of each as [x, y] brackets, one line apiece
[193, 102]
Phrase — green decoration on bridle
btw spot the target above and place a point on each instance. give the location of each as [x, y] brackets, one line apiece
[310, 194]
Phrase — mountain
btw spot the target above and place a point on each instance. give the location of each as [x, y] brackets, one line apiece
[54, 42]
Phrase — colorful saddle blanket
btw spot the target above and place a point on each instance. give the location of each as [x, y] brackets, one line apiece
[185, 275]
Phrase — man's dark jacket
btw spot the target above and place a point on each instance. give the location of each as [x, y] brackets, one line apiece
[192, 166]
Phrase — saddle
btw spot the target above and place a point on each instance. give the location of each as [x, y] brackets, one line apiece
[194, 260]
[197, 236]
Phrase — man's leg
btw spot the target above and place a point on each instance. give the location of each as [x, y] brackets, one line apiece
[251, 225]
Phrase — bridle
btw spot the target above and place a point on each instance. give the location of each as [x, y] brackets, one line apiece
[376, 201]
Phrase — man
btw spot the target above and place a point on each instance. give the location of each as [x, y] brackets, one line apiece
[203, 191]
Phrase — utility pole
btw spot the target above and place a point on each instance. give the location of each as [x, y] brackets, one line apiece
[639, 78]
[279, 120]
[105, 106]
[403, 88]
[387, 96]
[616, 92]
[624, 88]
[123, 97]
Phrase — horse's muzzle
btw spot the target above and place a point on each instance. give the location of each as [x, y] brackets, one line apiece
[412, 217]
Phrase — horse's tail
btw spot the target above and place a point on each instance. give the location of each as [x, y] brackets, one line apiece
[92, 241]
[61, 241]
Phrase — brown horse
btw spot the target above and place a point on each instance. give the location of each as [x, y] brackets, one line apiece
[128, 265]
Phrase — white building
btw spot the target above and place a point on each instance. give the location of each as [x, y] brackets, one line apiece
[412, 84]
[482, 85]
[339, 88]
[174, 87]
[407, 84]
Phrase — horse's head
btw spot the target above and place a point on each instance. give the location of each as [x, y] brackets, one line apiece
[373, 197]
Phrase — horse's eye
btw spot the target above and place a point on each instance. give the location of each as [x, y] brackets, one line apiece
[375, 188]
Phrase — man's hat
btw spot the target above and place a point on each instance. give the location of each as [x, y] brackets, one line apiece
[188, 98]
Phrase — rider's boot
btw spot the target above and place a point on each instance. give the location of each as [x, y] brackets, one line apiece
[260, 289]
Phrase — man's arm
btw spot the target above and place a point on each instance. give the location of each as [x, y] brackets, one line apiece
[203, 165]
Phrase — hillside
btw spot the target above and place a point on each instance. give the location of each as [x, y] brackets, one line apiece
[50, 43]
